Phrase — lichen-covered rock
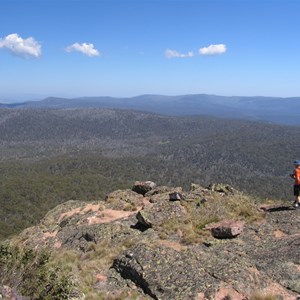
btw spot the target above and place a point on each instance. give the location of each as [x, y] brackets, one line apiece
[278, 255]
[196, 193]
[124, 200]
[156, 214]
[226, 229]
[142, 187]
[162, 272]
[164, 194]
[144, 219]
[163, 190]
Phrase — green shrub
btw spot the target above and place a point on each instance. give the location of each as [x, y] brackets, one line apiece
[29, 272]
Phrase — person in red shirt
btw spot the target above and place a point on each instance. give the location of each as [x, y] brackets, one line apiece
[296, 176]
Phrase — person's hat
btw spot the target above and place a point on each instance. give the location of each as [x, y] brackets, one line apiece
[297, 162]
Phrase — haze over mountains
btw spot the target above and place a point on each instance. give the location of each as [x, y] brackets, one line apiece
[267, 109]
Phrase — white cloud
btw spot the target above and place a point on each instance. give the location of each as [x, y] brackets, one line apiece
[173, 53]
[213, 49]
[22, 47]
[87, 49]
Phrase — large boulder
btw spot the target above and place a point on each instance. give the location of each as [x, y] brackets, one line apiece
[142, 187]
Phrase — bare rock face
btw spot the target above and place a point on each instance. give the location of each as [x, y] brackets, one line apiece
[226, 229]
[163, 273]
[142, 187]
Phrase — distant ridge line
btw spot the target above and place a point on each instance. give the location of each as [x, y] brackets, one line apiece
[258, 108]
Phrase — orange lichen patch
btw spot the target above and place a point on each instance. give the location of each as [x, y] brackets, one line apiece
[172, 244]
[109, 215]
[279, 234]
[277, 289]
[228, 291]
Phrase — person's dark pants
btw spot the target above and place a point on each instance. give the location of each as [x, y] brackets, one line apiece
[297, 190]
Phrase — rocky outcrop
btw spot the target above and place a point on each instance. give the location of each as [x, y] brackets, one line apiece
[163, 273]
[124, 200]
[225, 269]
[156, 245]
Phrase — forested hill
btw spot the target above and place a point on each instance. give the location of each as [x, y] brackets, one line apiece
[268, 109]
[51, 156]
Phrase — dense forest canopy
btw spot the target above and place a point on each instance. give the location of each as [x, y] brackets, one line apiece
[51, 156]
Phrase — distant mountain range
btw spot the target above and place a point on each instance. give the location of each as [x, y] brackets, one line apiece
[268, 109]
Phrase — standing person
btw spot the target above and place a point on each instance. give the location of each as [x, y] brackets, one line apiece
[296, 176]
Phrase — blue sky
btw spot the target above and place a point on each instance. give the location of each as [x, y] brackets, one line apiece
[126, 48]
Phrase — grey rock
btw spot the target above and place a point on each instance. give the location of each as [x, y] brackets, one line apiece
[175, 196]
[157, 213]
[226, 229]
[163, 273]
[142, 187]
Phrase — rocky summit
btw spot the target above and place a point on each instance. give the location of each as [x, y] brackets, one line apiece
[157, 242]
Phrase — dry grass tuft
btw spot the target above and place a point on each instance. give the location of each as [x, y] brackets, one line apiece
[86, 266]
[216, 207]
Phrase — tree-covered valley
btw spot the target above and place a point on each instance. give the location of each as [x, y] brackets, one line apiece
[50, 156]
